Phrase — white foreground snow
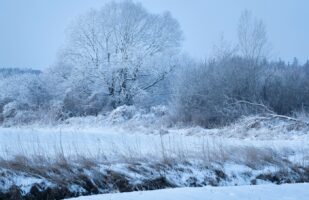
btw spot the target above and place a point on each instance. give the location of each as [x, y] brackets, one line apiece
[259, 192]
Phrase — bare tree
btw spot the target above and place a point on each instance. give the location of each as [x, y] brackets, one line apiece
[252, 37]
[254, 47]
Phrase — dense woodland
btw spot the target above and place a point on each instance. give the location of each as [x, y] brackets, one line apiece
[123, 55]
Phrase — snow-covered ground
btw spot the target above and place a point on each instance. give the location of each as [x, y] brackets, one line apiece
[128, 130]
[144, 152]
[259, 192]
[111, 142]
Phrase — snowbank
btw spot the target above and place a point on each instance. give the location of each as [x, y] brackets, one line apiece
[158, 120]
[126, 117]
[269, 192]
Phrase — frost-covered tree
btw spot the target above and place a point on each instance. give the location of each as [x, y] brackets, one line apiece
[24, 97]
[121, 51]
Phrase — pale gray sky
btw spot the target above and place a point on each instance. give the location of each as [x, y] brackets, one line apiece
[32, 31]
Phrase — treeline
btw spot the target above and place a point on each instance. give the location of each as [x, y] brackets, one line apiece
[5, 72]
[220, 91]
[124, 55]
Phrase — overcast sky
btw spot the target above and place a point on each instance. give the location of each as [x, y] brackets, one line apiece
[32, 31]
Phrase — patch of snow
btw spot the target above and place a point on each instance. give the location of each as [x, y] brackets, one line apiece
[8, 178]
[269, 192]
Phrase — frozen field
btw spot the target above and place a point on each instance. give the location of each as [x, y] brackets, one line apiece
[269, 192]
[142, 135]
[83, 158]
[111, 142]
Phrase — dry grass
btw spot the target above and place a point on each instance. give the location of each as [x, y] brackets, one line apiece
[207, 153]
